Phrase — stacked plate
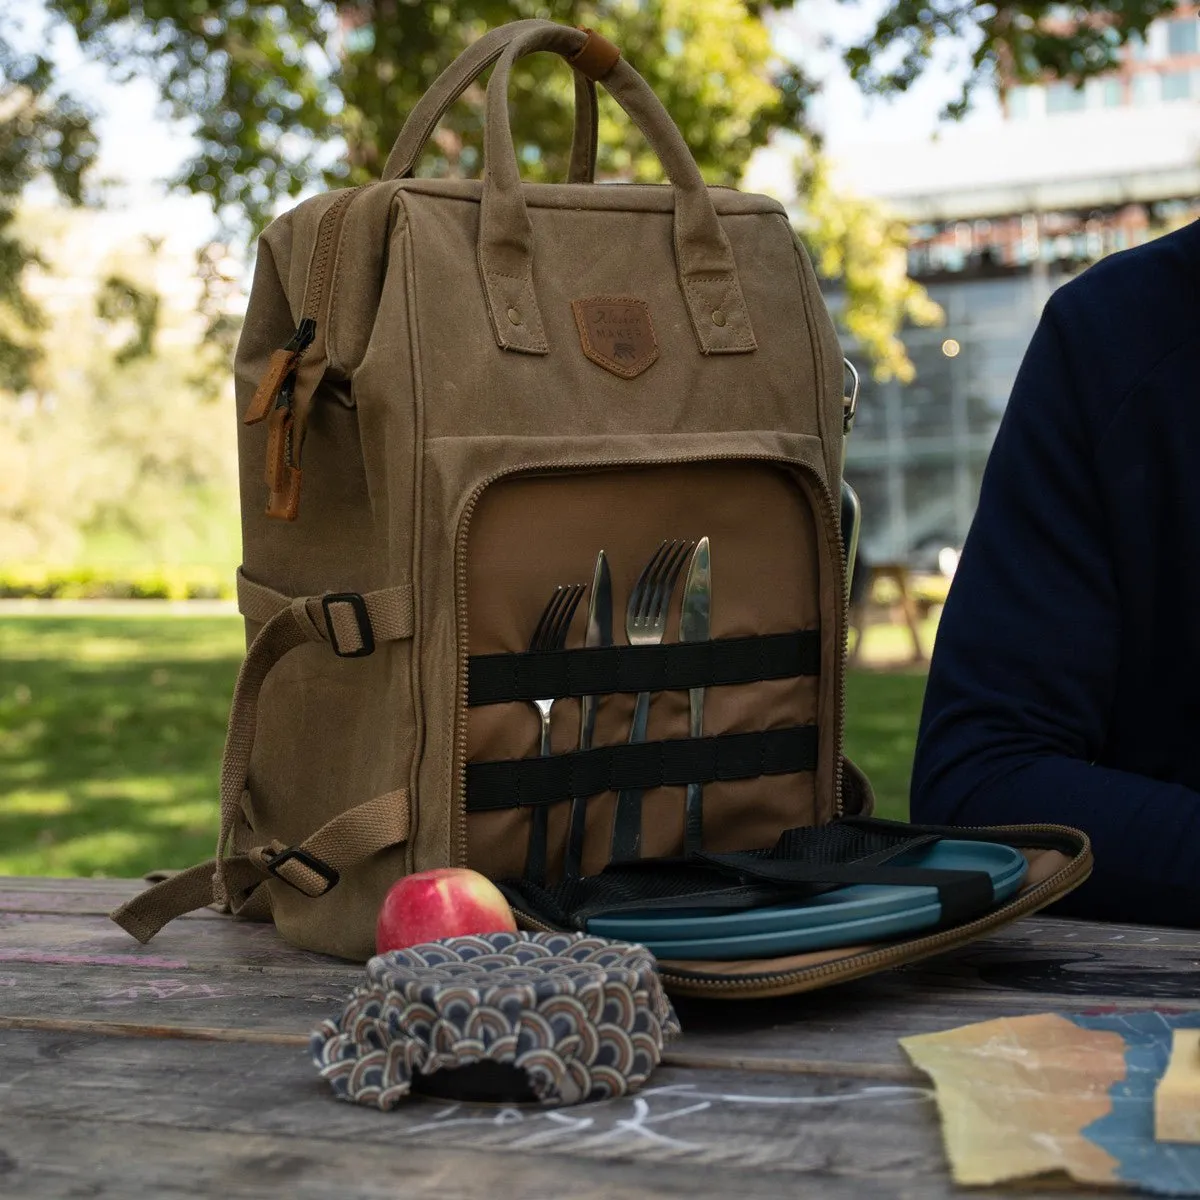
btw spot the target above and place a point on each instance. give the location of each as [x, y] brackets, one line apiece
[842, 917]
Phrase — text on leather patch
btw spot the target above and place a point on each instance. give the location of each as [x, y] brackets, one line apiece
[617, 333]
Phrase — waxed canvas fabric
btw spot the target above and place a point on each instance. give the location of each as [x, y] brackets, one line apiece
[446, 416]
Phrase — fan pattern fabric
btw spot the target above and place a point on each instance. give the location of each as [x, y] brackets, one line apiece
[585, 1018]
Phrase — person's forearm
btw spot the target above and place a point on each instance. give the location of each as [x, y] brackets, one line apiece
[1145, 834]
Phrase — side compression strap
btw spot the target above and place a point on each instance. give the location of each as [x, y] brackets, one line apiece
[351, 624]
[312, 867]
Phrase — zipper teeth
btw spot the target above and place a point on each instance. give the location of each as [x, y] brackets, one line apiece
[906, 950]
[834, 529]
[320, 262]
[460, 591]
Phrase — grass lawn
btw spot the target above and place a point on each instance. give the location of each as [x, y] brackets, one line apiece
[111, 730]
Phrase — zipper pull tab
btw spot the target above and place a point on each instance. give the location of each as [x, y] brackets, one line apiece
[281, 365]
[303, 337]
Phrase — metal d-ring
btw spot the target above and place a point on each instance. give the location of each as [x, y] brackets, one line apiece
[850, 402]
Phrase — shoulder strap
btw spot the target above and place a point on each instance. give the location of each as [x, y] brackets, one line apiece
[353, 624]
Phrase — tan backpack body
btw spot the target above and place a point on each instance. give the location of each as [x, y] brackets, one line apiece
[462, 391]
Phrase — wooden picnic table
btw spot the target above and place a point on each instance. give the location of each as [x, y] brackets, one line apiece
[181, 1069]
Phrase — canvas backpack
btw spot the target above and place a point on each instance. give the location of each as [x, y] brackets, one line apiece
[452, 394]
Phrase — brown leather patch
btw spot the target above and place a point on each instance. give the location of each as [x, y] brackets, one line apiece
[616, 333]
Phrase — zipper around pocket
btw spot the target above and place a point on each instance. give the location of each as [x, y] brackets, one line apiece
[825, 511]
[286, 359]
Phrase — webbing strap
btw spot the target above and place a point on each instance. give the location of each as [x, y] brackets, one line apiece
[962, 893]
[390, 609]
[598, 671]
[340, 843]
[522, 782]
[380, 616]
[346, 840]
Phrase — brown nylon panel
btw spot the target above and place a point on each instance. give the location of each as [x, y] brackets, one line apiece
[529, 535]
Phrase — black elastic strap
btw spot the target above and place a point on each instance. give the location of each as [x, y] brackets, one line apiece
[599, 671]
[962, 894]
[804, 863]
[535, 854]
[1067, 842]
[525, 782]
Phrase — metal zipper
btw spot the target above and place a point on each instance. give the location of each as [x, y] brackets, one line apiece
[833, 534]
[327, 230]
[895, 955]
[279, 380]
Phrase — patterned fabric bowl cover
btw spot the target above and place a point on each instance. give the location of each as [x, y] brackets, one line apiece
[584, 1017]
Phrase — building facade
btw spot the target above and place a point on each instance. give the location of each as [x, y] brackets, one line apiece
[1000, 214]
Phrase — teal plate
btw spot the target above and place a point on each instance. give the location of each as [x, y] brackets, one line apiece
[858, 913]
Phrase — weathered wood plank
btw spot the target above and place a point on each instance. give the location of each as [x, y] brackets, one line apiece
[695, 1132]
[99, 896]
[1100, 961]
[68, 939]
[282, 1002]
[95, 896]
[120, 1160]
[240, 976]
[858, 1023]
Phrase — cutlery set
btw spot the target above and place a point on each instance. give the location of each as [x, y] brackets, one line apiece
[645, 625]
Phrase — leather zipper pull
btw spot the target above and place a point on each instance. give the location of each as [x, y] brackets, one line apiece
[284, 503]
[279, 433]
[282, 475]
[281, 364]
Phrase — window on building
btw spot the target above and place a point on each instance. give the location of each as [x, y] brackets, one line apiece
[1018, 104]
[1146, 88]
[1064, 97]
[1183, 36]
[1176, 85]
[1112, 93]
[1138, 49]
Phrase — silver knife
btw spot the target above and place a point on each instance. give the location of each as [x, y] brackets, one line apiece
[599, 633]
[695, 625]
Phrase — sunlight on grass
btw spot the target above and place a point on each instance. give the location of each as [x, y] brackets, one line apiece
[882, 712]
[102, 853]
[42, 804]
[103, 640]
[111, 731]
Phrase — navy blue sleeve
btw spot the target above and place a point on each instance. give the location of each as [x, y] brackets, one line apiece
[1022, 680]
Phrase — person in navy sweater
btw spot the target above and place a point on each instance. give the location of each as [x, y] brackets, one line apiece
[1065, 682]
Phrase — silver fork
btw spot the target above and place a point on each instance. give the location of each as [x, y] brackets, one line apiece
[645, 625]
[550, 634]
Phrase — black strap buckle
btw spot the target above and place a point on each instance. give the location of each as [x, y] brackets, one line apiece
[329, 874]
[365, 632]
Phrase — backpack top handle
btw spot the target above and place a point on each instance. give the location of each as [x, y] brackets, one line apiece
[461, 73]
[708, 275]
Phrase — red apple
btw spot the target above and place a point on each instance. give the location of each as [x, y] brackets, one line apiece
[447, 902]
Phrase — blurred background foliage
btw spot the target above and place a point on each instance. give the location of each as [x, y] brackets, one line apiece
[114, 448]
